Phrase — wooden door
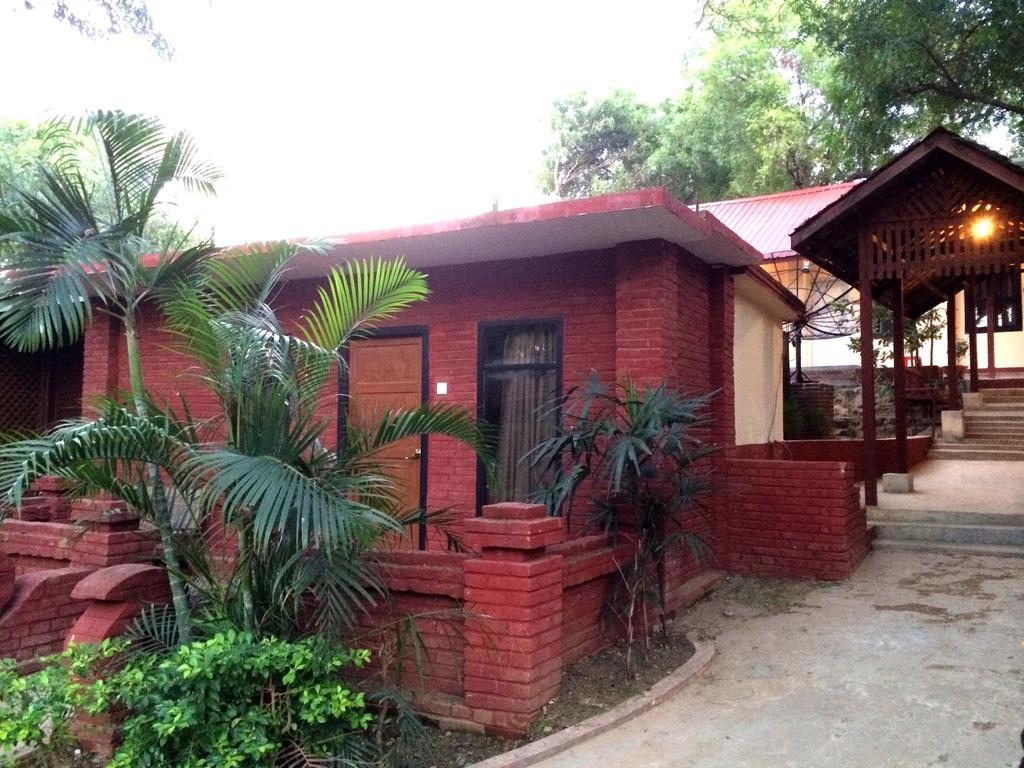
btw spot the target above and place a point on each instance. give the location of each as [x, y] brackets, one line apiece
[387, 374]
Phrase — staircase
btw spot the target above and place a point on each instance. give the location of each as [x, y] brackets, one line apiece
[993, 430]
[976, 533]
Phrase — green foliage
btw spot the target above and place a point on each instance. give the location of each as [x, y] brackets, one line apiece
[917, 333]
[803, 423]
[308, 517]
[36, 709]
[638, 451]
[234, 699]
[902, 67]
[228, 700]
[793, 93]
[600, 146]
[750, 119]
[74, 235]
[101, 19]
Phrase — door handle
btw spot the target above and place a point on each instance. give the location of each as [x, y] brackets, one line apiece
[414, 455]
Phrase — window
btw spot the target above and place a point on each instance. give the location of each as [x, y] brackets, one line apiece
[520, 374]
[1006, 290]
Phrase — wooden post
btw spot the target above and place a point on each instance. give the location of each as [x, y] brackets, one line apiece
[971, 326]
[953, 383]
[867, 375]
[899, 379]
[990, 321]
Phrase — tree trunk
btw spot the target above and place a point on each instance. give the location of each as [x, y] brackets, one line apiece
[161, 510]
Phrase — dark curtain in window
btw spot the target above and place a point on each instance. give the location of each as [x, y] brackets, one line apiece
[520, 381]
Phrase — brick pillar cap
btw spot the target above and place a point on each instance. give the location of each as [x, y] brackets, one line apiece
[514, 510]
[129, 582]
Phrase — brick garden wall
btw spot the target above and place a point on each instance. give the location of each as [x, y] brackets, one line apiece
[499, 625]
[848, 450]
[794, 519]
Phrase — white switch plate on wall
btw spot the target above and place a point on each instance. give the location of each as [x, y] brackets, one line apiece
[442, 387]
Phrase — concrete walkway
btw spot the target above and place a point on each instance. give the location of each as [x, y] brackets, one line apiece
[915, 662]
[962, 486]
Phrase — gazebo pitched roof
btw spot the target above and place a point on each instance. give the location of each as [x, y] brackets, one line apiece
[940, 178]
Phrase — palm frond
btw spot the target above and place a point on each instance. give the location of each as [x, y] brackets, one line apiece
[142, 159]
[437, 419]
[359, 296]
[276, 497]
[75, 449]
[154, 631]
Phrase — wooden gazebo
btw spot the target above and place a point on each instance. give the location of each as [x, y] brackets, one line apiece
[945, 213]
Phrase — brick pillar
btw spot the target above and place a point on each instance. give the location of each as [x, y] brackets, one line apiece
[114, 596]
[101, 364]
[7, 577]
[647, 325]
[513, 597]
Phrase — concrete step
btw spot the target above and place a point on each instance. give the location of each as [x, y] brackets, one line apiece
[995, 443]
[946, 533]
[972, 454]
[880, 515]
[996, 392]
[1002, 416]
[1001, 435]
[932, 546]
[1007, 430]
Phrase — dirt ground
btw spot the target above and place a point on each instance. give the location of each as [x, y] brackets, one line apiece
[915, 662]
[589, 687]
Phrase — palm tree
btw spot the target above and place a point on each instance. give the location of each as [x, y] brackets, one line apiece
[73, 247]
[638, 451]
[307, 517]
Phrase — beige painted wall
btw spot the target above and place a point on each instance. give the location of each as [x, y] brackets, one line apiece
[757, 366]
[1009, 344]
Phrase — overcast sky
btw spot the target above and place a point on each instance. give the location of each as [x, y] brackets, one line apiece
[334, 116]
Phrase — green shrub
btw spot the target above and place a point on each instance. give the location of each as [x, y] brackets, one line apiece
[36, 709]
[800, 422]
[640, 447]
[231, 701]
[234, 700]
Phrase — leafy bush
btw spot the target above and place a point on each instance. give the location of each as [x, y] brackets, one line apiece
[230, 700]
[36, 709]
[237, 700]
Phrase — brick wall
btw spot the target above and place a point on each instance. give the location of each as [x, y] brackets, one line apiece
[642, 310]
[499, 625]
[849, 450]
[40, 613]
[44, 545]
[794, 519]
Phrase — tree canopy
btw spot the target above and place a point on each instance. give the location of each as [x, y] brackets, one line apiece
[794, 93]
[101, 19]
[922, 62]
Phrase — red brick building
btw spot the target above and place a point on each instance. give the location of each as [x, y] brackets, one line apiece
[535, 299]
[524, 304]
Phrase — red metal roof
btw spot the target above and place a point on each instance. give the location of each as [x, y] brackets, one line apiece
[766, 221]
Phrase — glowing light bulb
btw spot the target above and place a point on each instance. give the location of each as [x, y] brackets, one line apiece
[983, 228]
